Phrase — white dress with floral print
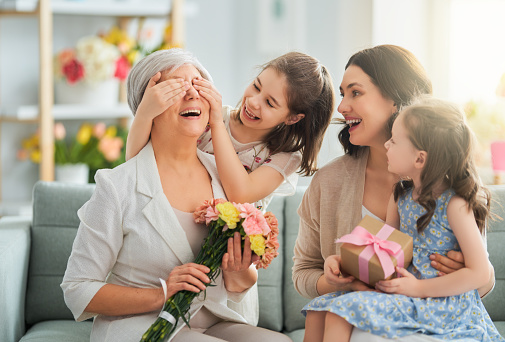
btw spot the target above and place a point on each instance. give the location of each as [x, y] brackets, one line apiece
[256, 154]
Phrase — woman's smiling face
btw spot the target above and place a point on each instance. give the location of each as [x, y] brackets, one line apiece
[364, 108]
[190, 115]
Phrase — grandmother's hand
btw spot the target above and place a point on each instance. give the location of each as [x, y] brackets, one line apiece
[159, 96]
[190, 277]
[207, 90]
[234, 260]
[447, 264]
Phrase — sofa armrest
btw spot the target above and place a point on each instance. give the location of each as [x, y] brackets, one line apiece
[14, 257]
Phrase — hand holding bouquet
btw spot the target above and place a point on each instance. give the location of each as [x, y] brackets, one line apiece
[223, 219]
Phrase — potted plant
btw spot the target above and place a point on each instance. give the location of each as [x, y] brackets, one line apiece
[78, 158]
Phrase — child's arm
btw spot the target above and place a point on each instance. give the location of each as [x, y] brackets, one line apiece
[239, 185]
[157, 98]
[475, 273]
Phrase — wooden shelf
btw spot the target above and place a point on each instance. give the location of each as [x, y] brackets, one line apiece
[119, 8]
[45, 113]
[68, 112]
[18, 6]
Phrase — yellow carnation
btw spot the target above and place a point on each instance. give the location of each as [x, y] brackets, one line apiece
[84, 134]
[257, 244]
[229, 214]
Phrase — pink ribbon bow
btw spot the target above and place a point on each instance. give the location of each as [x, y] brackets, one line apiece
[376, 244]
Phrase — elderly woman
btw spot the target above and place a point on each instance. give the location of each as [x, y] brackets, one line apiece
[138, 226]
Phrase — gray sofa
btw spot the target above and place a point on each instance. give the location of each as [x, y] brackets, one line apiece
[34, 253]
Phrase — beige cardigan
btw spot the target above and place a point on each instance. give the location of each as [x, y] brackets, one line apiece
[331, 207]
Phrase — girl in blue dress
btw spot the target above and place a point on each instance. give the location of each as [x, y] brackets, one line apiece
[442, 206]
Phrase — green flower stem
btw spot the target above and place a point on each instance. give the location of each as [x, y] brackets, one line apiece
[215, 245]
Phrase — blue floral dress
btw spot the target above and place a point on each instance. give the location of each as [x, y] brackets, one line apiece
[460, 317]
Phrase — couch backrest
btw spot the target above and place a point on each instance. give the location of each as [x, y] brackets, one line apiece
[55, 224]
[280, 304]
[495, 301]
[270, 279]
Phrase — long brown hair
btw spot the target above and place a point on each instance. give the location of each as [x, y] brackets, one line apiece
[309, 91]
[439, 128]
[399, 76]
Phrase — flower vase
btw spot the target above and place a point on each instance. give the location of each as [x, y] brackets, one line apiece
[72, 173]
[104, 93]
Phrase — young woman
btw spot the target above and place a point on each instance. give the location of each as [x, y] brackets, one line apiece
[376, 84]
[277, 129]
[443, 207]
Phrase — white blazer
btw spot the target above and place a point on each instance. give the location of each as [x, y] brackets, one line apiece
[129, 235]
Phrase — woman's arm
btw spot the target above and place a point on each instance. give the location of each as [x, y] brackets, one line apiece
[157, 98]
[470, 277]
[239, 185]
[455, 261]
[116, 300]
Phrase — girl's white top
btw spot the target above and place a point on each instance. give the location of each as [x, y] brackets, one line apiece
[256, 154]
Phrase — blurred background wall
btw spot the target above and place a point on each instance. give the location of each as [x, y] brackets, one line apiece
[460, 43]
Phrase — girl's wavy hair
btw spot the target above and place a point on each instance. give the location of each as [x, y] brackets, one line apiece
[439, 128]
[309, 91]
[399, 76]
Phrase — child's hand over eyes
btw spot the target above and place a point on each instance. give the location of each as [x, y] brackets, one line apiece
[207, 90]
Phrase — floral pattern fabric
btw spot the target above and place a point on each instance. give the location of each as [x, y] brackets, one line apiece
[460, 317]
[256, 154]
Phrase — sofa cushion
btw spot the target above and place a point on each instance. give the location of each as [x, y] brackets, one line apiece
[292, 300]
[495, 301]
[55, 223]
[270, 279]
[59, 331]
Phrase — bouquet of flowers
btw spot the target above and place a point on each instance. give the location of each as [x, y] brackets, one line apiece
[223, 219]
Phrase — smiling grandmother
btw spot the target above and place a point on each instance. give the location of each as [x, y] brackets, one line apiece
[138, 226]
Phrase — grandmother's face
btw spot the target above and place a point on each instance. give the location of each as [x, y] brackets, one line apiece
[190, 114]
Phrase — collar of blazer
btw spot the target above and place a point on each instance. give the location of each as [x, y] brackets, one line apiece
[158, 211]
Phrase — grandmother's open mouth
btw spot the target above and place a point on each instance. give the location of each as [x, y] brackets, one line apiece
[190, 112]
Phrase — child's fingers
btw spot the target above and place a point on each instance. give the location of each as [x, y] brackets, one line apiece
[403, 272]
[154, 80]
[387, 286]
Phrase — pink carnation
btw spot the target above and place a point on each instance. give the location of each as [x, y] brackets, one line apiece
[212, 214]
[246, 209]
[272, 223]
[199, 214]
[207, 212]
[272, 241]
[256, 224]
[267, 258]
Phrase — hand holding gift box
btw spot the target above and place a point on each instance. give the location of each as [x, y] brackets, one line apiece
[373, 250]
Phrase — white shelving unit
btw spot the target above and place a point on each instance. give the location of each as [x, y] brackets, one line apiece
[45, 113]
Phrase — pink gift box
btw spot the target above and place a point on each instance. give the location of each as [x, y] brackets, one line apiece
[373, 250]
